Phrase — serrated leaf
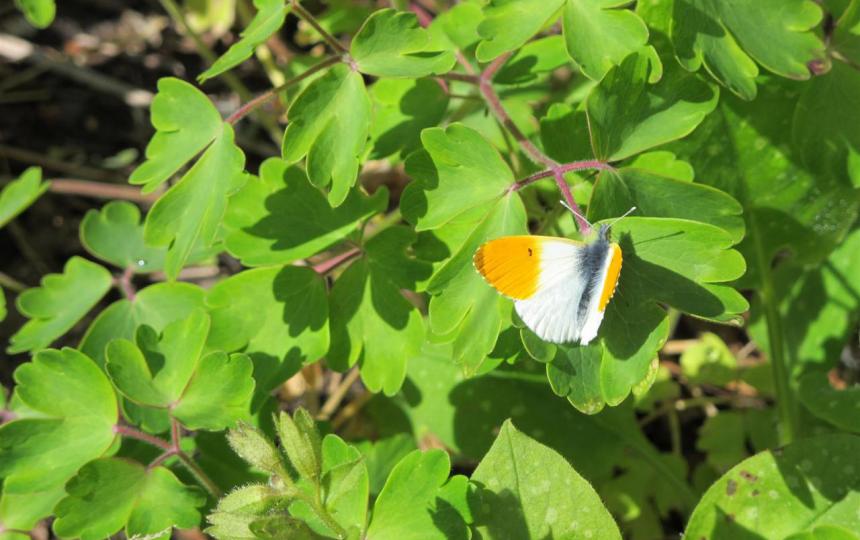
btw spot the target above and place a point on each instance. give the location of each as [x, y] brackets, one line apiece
[391, 43]
[407, 504]
[111, 494]
[372, 324]
[729, 38]
[807, 484]
[627, 115]
[58, 303]
[329, 124]
[615, 192]
[185, 122]
[269, 18]
[280, 217]
[190, 213]
[20, 193]
[509, 24]
[155, 306]
[65, 430]
[278, 316]
[171, 371]
[526, 490]
[744, 150]
[402, 109]
[114, 234]
[40, 13]
[599, 36]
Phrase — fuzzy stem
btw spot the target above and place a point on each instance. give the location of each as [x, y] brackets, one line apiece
[330, 39]
[243, 111]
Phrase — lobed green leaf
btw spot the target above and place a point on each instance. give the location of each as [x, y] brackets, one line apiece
[20, 193]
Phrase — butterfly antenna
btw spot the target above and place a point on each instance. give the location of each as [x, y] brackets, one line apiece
[575, 213]
[627, 213]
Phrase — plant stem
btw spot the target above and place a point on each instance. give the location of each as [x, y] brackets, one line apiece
[332, 263]
[243, 111]
[101, 190]
[784, 397]
[128, 431]
[124, 284]
[11, 283]
[563, 168]
[201, 476]
[323, 514]
[533, 152]
[337, 396]
[330, 39]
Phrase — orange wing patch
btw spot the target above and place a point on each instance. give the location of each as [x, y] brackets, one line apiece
[611, 280]
[511, 264]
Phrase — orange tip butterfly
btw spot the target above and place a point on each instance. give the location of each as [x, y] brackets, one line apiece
[560, 287]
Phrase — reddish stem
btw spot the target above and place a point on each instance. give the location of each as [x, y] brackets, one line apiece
[332, 263]
[243, 111]
[128, 431]
[123, 282]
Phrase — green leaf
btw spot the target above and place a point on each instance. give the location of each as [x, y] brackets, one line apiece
[827, 532]
[627, 115]
[185, 122]
[269, 18]
[725, 438]
[509, 24]
[65, 429]
[111, 494]
[235, 513]
[679, 263]
[408, 505]
[382, 455]
[345, 483]
[58, 303]
[526, 490]
[744, 150]
[40, 13]
[401, 110]
[532, 60]
[837, 407]
[278, 316]
[709, 361]
[22, 511]
[280, 217]
[372, 324]
[2, 305]
[190, 213]
[846, 35]
[391, 43]
[599, 37]
[458, 171]
[459, 24]
[203, 391]
[809, 483]
[664, 163]
[729, 38]
[253, 446]
[826, 126]
[329, 124]
[615, 192]
[155, 306]
[20, 193]
[301, 442]
[114, 234]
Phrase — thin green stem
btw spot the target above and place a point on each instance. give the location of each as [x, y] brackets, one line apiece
[201, 476]
[784, 396]
[322, 513]
[308, 18]
[11, 283]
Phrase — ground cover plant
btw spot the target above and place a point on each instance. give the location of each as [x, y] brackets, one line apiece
[238, 297]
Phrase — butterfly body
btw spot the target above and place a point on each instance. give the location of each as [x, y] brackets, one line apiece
[560, 287]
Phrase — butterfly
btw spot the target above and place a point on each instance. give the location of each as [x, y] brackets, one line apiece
[560, 287]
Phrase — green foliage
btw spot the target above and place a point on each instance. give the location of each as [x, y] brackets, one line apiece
[413, 140]
[20, 193]
[40, 13]
[806, 486]
[59, 303]
[270, 16]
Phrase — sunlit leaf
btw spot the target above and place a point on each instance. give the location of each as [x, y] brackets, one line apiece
[20, 193]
